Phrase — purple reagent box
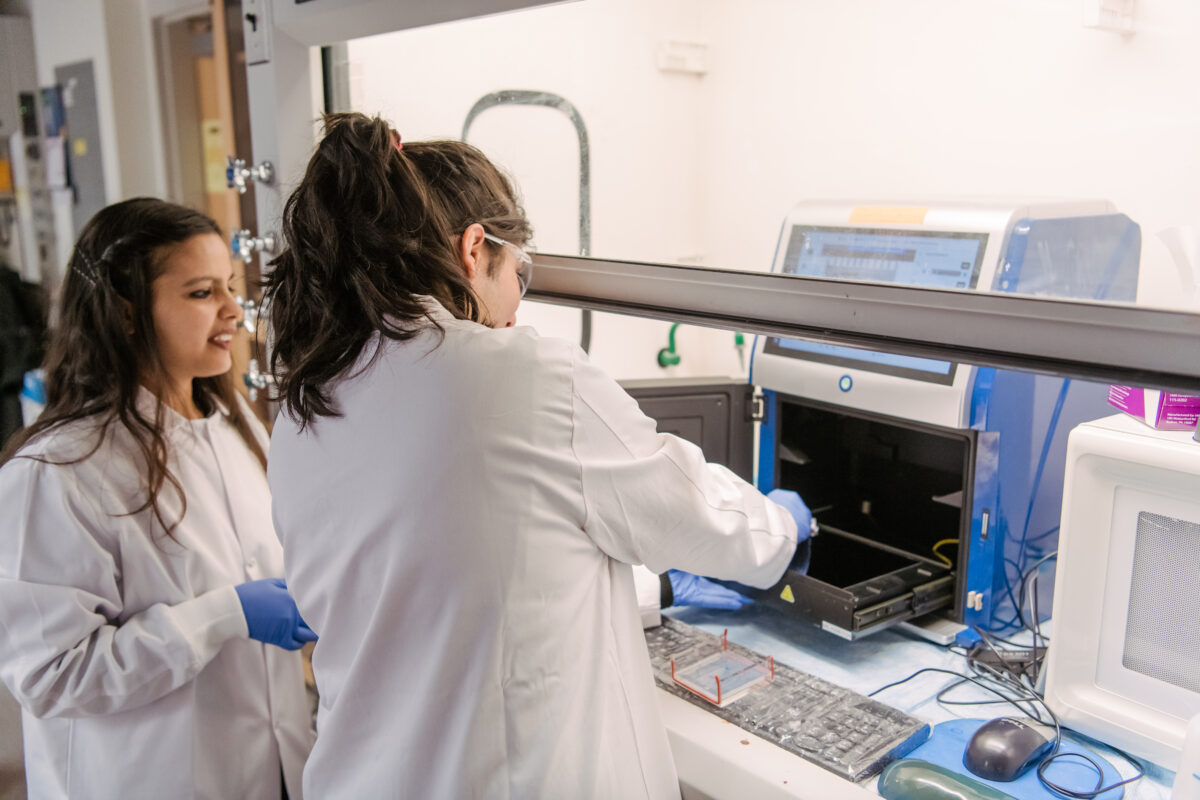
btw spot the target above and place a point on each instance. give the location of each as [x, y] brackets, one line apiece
[1161, 410]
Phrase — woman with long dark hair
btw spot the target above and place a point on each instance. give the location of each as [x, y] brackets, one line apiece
[146, 629]
[460, 499]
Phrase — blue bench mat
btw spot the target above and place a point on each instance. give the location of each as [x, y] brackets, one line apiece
[948, 741]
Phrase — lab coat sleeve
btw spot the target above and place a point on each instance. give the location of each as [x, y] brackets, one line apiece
[66, 648]
[651, 498]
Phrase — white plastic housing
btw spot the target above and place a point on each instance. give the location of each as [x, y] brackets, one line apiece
[1124, 664]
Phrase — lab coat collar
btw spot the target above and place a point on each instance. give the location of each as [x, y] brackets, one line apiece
[434, 308]
[146, 403]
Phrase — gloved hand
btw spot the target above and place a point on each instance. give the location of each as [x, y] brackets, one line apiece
[692, 590]
[795, 506]
[271, 614]
[804, 527]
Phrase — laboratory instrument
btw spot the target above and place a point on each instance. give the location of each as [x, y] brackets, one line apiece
[1124, 663]
[911, 453]
[1187, 775]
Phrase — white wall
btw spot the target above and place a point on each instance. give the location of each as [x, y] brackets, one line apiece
[136, 98]
[646, 192]
[805, 98]
[117, 36]
[69, 31]
[934, 97]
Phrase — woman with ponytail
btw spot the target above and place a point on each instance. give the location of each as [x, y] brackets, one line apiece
[461, 500]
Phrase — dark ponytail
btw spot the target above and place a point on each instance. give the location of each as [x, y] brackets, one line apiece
[370, 228]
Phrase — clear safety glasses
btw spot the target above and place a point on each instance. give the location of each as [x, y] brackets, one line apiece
[524, 259]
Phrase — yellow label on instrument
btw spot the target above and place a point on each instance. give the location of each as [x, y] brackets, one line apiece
[6, 183]
[787, 595]
[903, 215]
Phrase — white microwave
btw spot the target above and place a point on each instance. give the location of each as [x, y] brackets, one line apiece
[1124, 660]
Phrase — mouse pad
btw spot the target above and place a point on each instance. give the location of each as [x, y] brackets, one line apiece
[949, 739]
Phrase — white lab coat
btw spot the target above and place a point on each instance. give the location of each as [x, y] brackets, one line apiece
[129, 654]
[461, 540]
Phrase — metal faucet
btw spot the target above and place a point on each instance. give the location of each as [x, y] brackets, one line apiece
[250, 314]
[237, 173]
[256, 380]
[245, 246]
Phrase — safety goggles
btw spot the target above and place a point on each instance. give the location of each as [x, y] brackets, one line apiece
[524, 260]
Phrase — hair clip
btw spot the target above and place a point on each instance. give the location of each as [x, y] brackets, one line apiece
[110, 252]
[86, 269]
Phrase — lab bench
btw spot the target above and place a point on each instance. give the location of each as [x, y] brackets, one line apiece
[719, 761]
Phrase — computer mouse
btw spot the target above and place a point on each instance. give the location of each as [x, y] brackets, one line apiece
[1004, 748]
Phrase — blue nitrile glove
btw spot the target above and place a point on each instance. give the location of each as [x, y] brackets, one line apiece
[692, 590]
[795, 506]
[271, 614]
[804, 526]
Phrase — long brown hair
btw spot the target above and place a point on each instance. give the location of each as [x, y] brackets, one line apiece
[370, 228]
[104, 347]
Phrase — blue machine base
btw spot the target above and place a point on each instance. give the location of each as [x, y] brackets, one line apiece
[949, 739]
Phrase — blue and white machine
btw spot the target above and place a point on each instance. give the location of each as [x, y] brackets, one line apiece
[937, 484]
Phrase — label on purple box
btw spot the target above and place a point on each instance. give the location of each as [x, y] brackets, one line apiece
[1128, 399]
[1161, 410]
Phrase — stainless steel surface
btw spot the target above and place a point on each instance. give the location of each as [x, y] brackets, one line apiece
[1104, 342]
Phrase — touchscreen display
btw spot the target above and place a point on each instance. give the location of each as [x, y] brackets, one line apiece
[943, 260]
